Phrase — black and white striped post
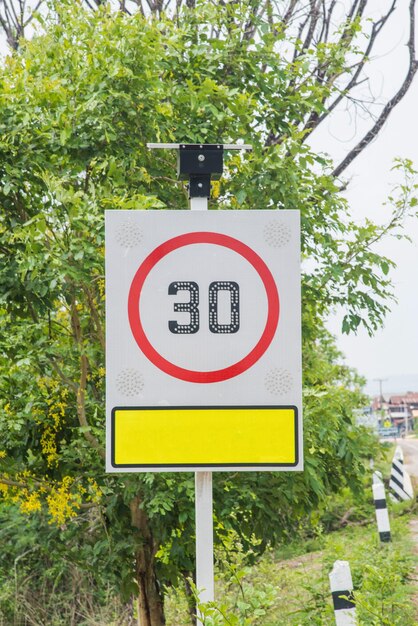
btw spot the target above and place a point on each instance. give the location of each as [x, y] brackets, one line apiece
[400, 485]
[341, 584]
[382, 516]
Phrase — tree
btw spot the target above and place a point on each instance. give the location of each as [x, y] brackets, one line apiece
[78, 104]
[315, 25]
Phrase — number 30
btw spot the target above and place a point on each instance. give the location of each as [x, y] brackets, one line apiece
[192, 307]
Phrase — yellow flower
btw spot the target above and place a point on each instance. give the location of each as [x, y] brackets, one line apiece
[61, 503]
[95, 491]
[31, 504]
[216, 188]
[48, 446]
[101, 286]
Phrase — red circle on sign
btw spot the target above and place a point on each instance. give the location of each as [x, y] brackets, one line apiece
[155, 357]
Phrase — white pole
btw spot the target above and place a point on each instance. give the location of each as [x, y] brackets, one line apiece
[377, 478]
[199, 204]
[204, 537]
[341, 588]
[203, 507]
[382, 516]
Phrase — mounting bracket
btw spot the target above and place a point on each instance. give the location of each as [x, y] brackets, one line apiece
[199, 163]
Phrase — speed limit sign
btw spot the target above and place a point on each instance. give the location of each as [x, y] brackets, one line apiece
[203, 348]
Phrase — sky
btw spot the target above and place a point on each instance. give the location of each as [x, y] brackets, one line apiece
[392, 354]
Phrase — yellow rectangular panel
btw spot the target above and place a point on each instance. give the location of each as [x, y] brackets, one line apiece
[212, 436]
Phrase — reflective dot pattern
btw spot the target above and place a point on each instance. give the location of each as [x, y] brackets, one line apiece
[129, 382]
[278, 381]
[214, 289]
[128, 235]
[190, 307]
[277, 234]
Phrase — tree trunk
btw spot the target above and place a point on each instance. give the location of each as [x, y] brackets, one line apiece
[150, 600]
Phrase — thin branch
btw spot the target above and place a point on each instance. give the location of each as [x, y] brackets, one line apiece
[376, 28]
[289, 13]
[33, 11]
[302, 25]
[250, 26]
[354, 8]
[13, 11]
[355, 13]
[372, 133]
[81, 407]
[13, 20]
[314, 14]
[81, 390]
[70, 383]
[96, 317]
[14, 483]
[123, 8]
[327, 20]
[89, 5]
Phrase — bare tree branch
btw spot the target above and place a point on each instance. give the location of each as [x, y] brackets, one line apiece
[70, 383]
[289, 13]
[14, 18]
[387, 109]
[31, 15]
[344, 43]
[314, 14]
[354, 82]
[89, 5]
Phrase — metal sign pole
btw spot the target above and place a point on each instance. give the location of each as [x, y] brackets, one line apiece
[197, 163]
[204, 537]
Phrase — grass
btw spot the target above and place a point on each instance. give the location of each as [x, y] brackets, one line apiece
[290, 586]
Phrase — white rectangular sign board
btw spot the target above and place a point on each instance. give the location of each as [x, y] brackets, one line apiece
[203, 341]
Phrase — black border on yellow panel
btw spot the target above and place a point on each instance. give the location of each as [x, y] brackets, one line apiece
[192, 466]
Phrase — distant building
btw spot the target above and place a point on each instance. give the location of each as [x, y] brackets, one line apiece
[397, 410]
[410, 399]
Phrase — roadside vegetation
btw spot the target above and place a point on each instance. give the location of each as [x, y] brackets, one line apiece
[289, 584]
[291, 588]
